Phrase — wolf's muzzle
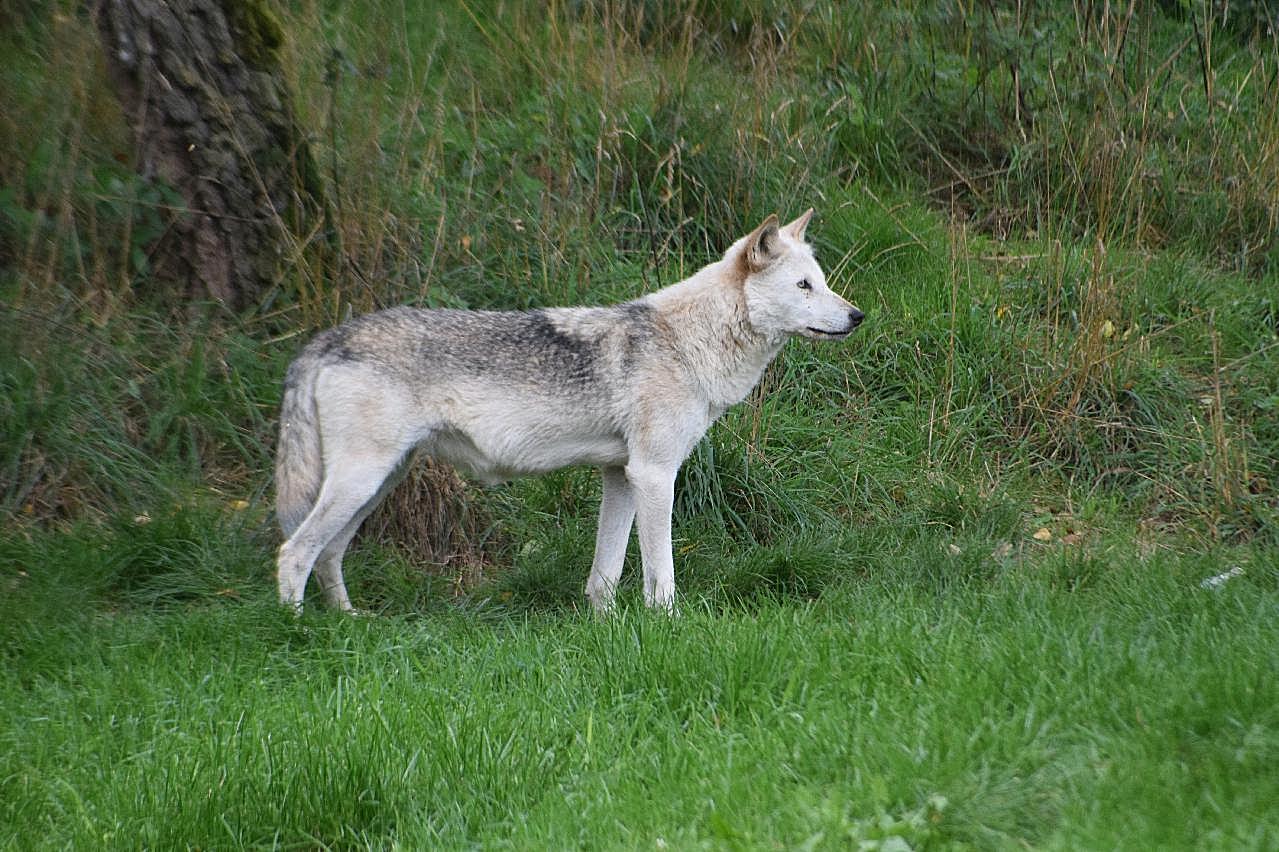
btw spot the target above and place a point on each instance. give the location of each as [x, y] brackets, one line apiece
[855, 318]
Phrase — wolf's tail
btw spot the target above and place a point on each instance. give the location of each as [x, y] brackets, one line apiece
[299, 462]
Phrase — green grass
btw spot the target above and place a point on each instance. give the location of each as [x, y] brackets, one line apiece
[1059, 700]
[1061, 223]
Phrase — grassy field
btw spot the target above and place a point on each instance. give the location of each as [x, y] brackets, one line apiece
[941, 585]
[1059, 702]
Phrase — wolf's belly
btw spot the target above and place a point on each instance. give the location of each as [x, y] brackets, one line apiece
[495, 455]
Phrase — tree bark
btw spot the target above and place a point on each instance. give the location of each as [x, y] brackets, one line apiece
[201, 85]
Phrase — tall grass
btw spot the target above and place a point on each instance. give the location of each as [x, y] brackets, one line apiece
[992, 183]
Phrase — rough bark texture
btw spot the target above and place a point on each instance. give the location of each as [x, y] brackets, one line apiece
[200, 82]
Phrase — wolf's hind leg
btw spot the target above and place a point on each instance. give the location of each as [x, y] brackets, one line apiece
[617, 514]
[351, 484]
[328, 568]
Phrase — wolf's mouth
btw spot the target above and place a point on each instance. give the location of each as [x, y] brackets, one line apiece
[834, 335]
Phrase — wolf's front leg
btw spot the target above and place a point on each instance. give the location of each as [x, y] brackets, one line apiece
[617, 514]
[654, 486]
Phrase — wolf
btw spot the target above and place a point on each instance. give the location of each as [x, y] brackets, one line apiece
[629, 388]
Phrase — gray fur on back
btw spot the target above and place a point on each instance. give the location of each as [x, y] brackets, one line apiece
[557, 350]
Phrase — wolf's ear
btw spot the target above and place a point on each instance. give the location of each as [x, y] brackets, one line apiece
[764, 245]
[796, 229]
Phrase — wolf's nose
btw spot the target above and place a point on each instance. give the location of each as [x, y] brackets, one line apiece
[855, 318]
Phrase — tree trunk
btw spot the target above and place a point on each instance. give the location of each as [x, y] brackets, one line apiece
[201, 86]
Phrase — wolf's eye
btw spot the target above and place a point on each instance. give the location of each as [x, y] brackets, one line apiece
[804, 284]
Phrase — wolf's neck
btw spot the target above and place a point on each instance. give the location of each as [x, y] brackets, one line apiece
[713, 333]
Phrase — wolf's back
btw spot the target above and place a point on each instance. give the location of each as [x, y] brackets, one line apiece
[299, 461]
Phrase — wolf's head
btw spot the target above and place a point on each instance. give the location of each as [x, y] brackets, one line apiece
[786, 290]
